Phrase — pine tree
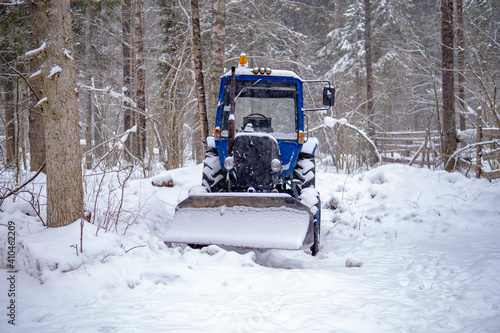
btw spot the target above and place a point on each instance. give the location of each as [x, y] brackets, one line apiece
[63, 169]
[447, 58]
[199, 80]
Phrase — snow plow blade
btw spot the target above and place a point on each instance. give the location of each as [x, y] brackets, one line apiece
[249, 220]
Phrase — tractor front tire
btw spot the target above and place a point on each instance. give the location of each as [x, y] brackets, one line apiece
[305, 171]
[214, 178]
[317, 228]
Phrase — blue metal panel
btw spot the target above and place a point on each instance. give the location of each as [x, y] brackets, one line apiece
[220, 102]
[289, 152]
[301, 103]
[222, 149]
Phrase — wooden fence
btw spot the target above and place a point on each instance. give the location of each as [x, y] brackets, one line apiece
[478, 153]
[420, 147]
[481, 154]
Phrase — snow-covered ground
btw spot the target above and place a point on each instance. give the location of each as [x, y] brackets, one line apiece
[404, 250]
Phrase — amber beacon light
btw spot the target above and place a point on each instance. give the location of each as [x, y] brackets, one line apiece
[243, 60]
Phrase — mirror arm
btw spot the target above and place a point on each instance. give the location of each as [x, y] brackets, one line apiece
[316, 109]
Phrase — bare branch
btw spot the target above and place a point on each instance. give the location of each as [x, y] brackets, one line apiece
[20, 187]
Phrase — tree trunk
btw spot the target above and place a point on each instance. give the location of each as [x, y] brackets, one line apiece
[88, 119]
[200, 86]
[140, 88]
[127, 65]
[449, 123]
[369, 76]
[337, 14]
[23, 121]
[98, 124]
[36, 131]
[461, 63]
[63, 168]
[16, 129]
[217, 53]
[10, 131]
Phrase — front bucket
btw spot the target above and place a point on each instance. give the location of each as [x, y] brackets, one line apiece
[251, 220]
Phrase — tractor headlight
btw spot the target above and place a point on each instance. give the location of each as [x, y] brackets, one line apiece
[229, 163]
[275, 165]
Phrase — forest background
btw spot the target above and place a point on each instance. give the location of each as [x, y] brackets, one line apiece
[138, 85]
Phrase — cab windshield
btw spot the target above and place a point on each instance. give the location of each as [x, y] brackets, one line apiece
[263, 106]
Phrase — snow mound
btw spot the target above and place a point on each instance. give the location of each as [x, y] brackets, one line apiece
[354, 262]
[276, 259]
[58, 250]
[163, 180]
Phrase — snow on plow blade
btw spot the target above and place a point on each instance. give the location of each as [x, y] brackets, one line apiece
[251, 220]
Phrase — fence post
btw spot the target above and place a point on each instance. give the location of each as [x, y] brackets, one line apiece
[479, 137]
[424, 151]
[428, 146]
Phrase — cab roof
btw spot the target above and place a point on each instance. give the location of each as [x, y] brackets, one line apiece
[243, 69]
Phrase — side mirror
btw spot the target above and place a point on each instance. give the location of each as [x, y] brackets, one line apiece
[328, 96]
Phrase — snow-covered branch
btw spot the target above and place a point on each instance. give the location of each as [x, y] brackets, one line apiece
[470, 147]
[35, 75]
[331, 122]
[54, 71]
[67, 53]
[36, 51]
[40, 102]
[120, 96]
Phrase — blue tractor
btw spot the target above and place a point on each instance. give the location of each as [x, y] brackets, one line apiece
[259, 171]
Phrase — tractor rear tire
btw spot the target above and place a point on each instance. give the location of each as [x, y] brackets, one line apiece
[214, 178]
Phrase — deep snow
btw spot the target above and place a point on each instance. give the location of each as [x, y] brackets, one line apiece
[404, 250]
